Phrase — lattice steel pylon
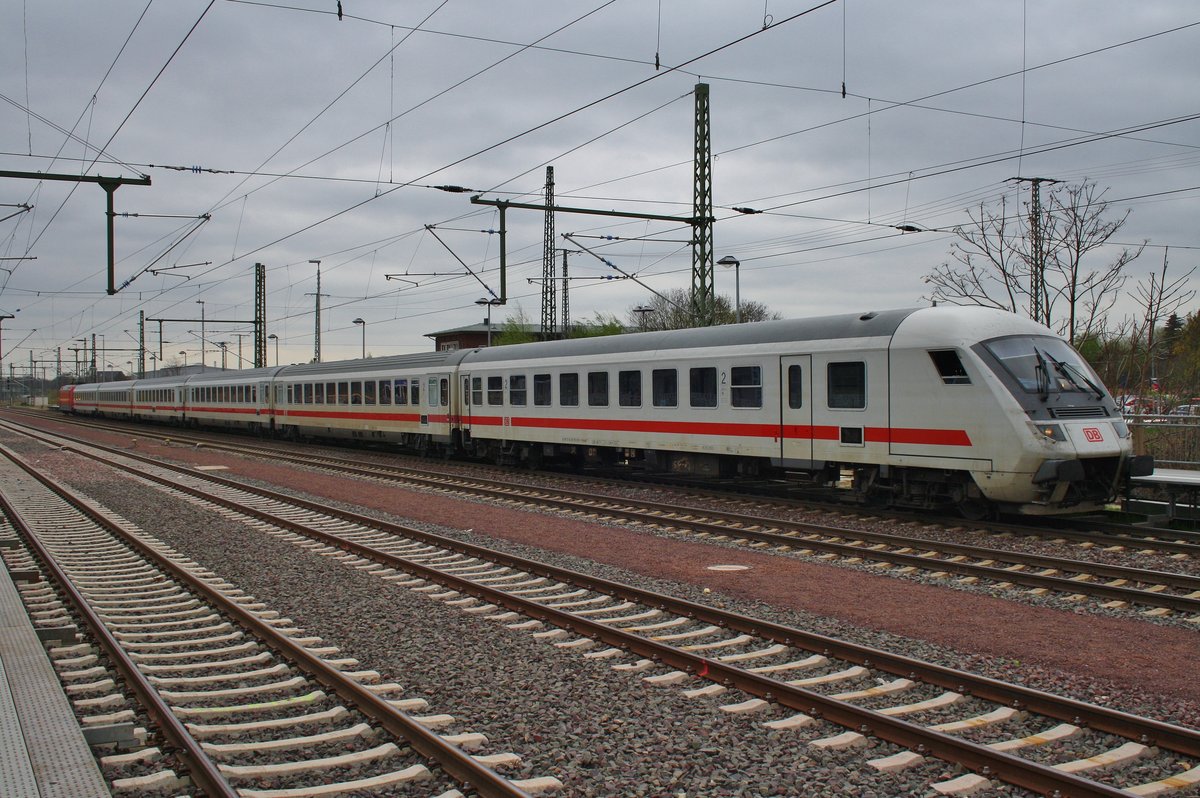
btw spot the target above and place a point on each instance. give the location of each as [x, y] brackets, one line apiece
[260, 316]
[703, 295]
[549, 320]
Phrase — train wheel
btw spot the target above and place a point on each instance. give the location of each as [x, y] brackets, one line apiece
[976, 509]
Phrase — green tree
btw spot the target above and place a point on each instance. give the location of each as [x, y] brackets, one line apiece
[671, 310]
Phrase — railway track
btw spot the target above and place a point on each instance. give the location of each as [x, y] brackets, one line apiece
[1114, 587]
[832, 693]
[249, 704]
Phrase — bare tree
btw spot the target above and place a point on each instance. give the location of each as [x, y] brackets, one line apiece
[1159, 300]
[995, 262]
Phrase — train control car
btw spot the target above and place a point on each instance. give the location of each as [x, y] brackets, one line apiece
[933, 407]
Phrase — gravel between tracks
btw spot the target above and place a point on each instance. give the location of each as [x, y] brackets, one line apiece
[604, 733]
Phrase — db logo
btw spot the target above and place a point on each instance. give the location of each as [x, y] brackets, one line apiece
[1092, 434]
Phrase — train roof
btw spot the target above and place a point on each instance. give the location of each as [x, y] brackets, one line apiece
[374, 364]
[849, 325]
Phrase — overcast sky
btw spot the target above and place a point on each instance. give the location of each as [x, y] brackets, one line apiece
[318, 138]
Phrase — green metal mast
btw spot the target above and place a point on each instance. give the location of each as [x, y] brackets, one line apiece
[549, 314]
[703, 304]
[260, 316]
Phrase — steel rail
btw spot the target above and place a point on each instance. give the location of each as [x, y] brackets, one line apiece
[449, 757]
[1007, 767]
[201, 769]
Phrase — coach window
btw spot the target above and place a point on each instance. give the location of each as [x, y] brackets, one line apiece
[848, 385]
[495, 390]
[308, 393]
[629, 388]
[331, 393]
[477, 391]
[541, 390]
[401, 392]
[598, 388]
[414, 392]
[568, 390]
[745, 383]
[795, 386]
[950, 367]
[516, 390]
[702, 385]
[356, 392]
[444, 394]
[343, 393]
[385, 392]
[664, 384]
[369, 392]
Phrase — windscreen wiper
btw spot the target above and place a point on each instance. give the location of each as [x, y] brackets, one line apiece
[1043, 375]
[1066, 369]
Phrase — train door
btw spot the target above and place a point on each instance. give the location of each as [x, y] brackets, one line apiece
[795, 398]
[467, 403]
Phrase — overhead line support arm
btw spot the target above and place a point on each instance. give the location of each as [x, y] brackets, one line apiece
[110, 186]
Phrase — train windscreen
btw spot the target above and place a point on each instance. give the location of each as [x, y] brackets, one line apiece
[1045, 366]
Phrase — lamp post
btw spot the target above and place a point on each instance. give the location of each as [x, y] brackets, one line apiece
[364, 337]
[488, 321]
[642, 310]
[154, 364]
[728, 261]
[224, 351]
[200, 302]
[275, 338]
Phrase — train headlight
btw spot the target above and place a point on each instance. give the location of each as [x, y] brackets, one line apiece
[1121, 428]
[1052, 431]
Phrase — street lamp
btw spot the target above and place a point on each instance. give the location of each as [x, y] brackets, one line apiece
[364, 337]
[642, 310]
[488, 321]
[728, 261]
[200, 302]
[275, 338]
[224, 351]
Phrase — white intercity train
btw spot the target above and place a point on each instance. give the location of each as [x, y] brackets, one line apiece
[962, 407]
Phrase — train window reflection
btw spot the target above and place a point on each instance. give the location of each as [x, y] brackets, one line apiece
[597, 388]
[745, 386]
[568, 390]
[516, 390]
[848, 385]
[541, 390]
[629, 388]
[664, 384]
[949, 367]
[401, 394]
[795, 384]
[702, 386]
